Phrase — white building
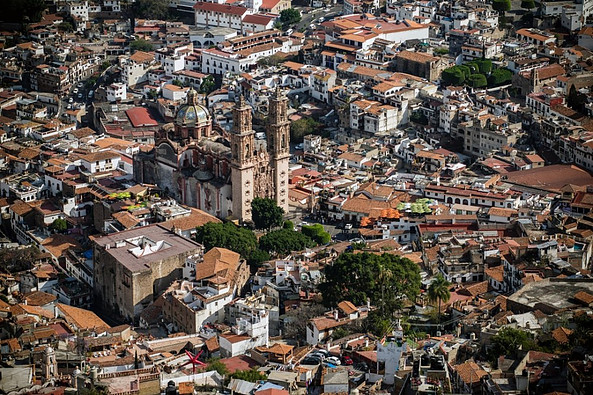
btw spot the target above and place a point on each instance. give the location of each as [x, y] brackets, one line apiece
[372, 117]
[100, 161]
[222, 15]
[79, 10]
[116, 91]
[174, 92]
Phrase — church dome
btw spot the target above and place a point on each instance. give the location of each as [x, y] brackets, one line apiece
[192, 113]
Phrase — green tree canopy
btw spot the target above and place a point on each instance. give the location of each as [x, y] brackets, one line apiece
[303, 127]
[208, 85]
[485, 65]
[23, 11]
[252, 375]
[290, 16]
[576, 100]
[528, 4]
[453, 76]
[59, 225]
[317, 233]
[257, 257]
[283, 241]
[501, 5]
[508, 341]
[438, 291]
[141, 45]
[216, 364]
[387, 280]
[500, 77]
[227, 235]
[477, 81]
[152, 9]
[265, 213]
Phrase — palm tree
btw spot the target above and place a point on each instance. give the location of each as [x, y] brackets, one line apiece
[439, 291]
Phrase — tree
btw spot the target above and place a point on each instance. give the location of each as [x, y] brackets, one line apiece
[477, 81]
[21, 11]
[59, 225]
[208, 85]
[257, 257]
[576, 100]
[295, 324]
[419, 117]
[528, 4]
[290, 16]
[216, 364]
[501, 6]
[65, 27]
[387, 280]
[500, 77]
[508, 341]
[177, 82]
[272, 60]
[265, 213]
[303, 127]
[227, 235]
[485, 65]
[453, 76]
[438, 291]
[141, 45]
[441, 51]
[284, 241]
[252, 375]
[151, 9]
[317, 233]
[288, 224]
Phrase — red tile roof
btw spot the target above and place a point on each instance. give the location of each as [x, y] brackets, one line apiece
[222, 8]
[140, 116]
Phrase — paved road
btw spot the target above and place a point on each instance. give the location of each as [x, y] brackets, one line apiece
[314, 15]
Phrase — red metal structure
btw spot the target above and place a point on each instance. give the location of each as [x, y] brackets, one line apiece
[194, 360]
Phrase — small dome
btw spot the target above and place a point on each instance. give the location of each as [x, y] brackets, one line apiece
[192, 113]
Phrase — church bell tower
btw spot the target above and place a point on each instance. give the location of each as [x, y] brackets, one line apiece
[242, 162]
[279, 146]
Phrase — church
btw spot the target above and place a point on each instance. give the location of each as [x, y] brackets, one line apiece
[218, 171]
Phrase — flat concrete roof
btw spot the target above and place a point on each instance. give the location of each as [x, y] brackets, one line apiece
[123, 246]
[558, 293]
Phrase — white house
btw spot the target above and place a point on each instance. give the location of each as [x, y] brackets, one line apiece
[223, 15]
[174, 92]
[100, 161]
[116, 91]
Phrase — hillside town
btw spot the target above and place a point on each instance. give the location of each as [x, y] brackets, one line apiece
[296, 197]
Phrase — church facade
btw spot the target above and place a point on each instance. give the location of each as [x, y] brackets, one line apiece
[217, 171]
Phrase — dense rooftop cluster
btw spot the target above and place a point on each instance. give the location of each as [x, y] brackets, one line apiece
[276, 199]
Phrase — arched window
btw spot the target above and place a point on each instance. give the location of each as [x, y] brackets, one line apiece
[283, 141]
[246, 150]
[236, 152]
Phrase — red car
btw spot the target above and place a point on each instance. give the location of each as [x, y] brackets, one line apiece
[347, 360]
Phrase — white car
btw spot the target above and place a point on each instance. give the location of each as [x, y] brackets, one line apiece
[70, 100]
[348, 227]
[334, 361]
[75, 90]
[321, 20]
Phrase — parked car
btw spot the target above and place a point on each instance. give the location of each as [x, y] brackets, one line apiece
[347, 360]
[334, 361]
[75, 90]
[348, 227]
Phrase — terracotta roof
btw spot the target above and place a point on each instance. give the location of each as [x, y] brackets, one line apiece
[100, 156]
[217, 261]
[57, 244]
[195, 219]
[561, 335]
[141, 117]
[81, 318]
[584, 297]
[39, 298]
[416, 56]
[496, 273]
[21, 208]
[142, 57]
[220, 8]
[347, 307]
[126, 219]
[470, 372]
[281, 349]
[212, 344]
